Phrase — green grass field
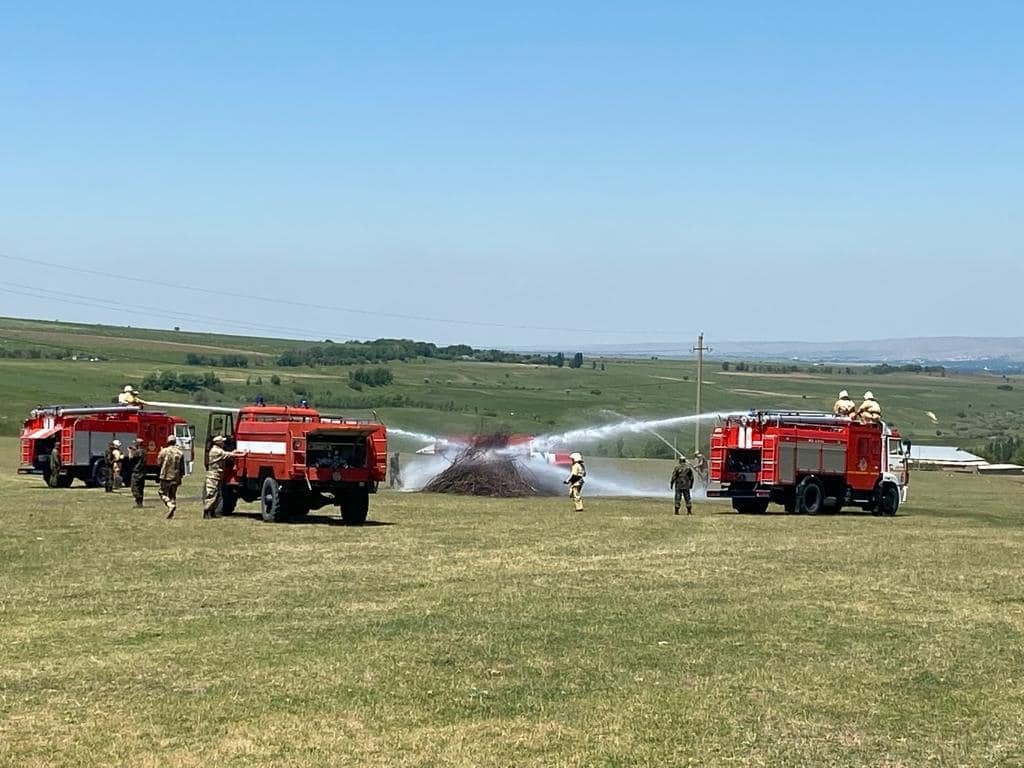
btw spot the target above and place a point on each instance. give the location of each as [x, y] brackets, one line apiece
[456, 397]
[459, 631]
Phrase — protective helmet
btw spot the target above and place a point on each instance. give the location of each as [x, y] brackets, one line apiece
[139, 440]
[116, 443]
[682, 457]
[129, 388]
[171, 440]
[868, 395]
[218, 438]
[576, 457]
[844, 393]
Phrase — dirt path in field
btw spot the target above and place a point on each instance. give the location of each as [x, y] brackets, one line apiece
[71, 339]
[767, 392]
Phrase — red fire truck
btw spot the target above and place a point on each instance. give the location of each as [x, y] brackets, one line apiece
[82, 435]
[299, 460]
[808, 462]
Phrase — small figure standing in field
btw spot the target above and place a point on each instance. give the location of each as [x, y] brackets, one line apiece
[171, 461]
[112, 461]
[394, 472]
[215, 465]
[137, 470]
[869, 412]
[700, 469]
[55, 464]
[575, 481]
[682, 481]
[130, 396]
[844, 406]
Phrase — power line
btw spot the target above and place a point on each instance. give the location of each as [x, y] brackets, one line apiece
[327, 307]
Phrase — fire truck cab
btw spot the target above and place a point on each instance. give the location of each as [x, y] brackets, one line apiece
[298, 460]
[808, 462]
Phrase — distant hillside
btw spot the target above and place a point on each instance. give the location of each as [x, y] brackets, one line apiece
[964, 353]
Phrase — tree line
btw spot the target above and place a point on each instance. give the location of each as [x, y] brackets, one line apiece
[329, 353]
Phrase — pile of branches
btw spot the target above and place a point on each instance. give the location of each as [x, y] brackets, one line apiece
[487, 468]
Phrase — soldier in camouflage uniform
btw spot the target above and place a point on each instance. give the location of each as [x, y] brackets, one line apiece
[55, 465]
[171, 461]
[682, 481]
[215, 465]
[137, 462]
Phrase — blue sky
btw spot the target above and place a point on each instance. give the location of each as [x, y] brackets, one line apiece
[543, 174]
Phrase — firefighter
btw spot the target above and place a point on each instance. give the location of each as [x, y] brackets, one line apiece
[130, 396]
[869, 412]
[575, 481]
[112, 460]
[395, 470]
[700, 469]
[844, 406]
[137, 470]
[171, 461]
[682, 482]
[215, 464]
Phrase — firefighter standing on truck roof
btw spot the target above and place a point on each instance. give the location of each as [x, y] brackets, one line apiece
[869, 412]
[682, 481]
[577, 473]
[844, 406]
[171, 460]
[215, 464]
[130, 396]
[137, 464]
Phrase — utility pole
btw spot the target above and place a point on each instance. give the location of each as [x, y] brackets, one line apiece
[700, 349]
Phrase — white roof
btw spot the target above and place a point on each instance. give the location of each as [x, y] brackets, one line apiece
[943, 454]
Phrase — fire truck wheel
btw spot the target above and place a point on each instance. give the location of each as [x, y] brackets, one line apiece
[751, 507]
[64, 481]
[98, 474]
[270, 501]
[354, 507]
[228, 500]
[889, 500]
[810, 497]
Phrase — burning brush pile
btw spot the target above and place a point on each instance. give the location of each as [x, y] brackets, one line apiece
[488, 466]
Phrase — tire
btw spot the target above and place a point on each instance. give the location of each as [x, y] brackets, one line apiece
[810, 497]
[270, 501]
[228, 500]
[750, 506]
[355, 506]
[98, 474]
[889, 500]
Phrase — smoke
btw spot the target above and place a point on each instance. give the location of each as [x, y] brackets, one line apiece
[420, 470]
[604, 477]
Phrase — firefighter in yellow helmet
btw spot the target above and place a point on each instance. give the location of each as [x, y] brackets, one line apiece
[575, 481]
[844, 406]
[869, 411]
[130, 396]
